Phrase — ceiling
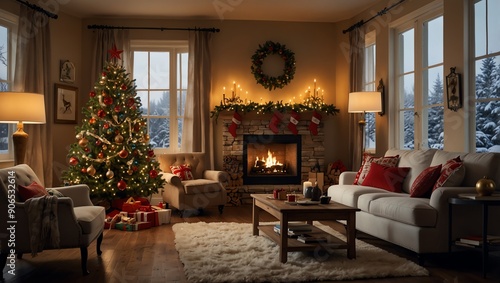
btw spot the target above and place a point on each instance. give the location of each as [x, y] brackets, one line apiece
[264, 10]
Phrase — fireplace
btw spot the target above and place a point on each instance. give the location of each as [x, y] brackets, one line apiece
[272, 159]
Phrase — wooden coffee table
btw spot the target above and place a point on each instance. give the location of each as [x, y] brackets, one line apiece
[286, 212]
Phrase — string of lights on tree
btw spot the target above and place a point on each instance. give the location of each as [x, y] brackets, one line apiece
[113, 155]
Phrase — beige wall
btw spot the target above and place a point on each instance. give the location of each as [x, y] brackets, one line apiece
[320, 52]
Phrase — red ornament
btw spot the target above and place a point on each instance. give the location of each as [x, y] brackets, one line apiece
[100, 155]
[108, 100]
[151, 153]
[124, 87]
[122, 185]
[123, 153]
[92, 94]
[98, 142]
[87, 149]
[137, 127]
[118, 108]
[130, 102]
[135, 152]
[84, 170]
[153, 173]
[106, 126]
[92, 121]
[73, 161]
[115, 53]
[103, 74]
[101, 113]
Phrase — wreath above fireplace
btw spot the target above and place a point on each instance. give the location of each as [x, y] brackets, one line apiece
[270, 48]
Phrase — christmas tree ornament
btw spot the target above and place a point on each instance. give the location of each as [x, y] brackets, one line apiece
[92, 121]
[108, 100]
[98, 142]
[100, 155]
[121, 185]
[91, 170]
[118, 108]
[105, 126]
[130, 102]
[110, 174]
[118, 138]
[83, 170]
[235, 122]
[124, 87]
[123, 153]
[146, 137]
[79, 136]
[294, 120]
[73, 161]
[275, 121]
[130, 171]
[153, 173]
[101, 113]
[92, 94]
[315, 120]
[104, 147]
[151, 153]
[83, 142]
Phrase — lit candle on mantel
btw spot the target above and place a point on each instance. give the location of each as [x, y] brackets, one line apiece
[234, 89]
[314, 93]
[224, 95]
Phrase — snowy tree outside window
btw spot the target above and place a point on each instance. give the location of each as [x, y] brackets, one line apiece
[369, 85]
[161, 75]
[487, 76]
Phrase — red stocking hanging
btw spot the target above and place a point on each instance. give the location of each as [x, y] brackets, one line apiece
[275, 121]
[315, 120]
[236, 121]
[294, 120]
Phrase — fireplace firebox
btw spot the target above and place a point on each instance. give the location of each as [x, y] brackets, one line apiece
[272, 159]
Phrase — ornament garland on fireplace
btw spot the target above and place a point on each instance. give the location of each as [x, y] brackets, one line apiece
[273, 48]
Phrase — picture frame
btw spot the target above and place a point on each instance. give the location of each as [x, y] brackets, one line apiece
[66, 104]
[454, 90]
[67, 71]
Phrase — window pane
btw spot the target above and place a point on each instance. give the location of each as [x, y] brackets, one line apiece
[407, 91]
[480, 27]
[493, 24]
[179, 129]
[487, 125]
[434, 88]
[370, 63]
[434, 41]
[435, 132]
[3, 55]
[4, 138]
[407, 52]
[141, 70]
[487, 80]
[181, 102]
[370, 137]
[143, 95]
[182, 70]
[409, 130]
[160, 70]
[159, 132]
[159, 103]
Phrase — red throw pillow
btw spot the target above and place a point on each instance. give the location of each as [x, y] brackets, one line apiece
[183, 171]
[452, 174]
[31, 191]
[385, 177]
[390, 161]
[423, 184]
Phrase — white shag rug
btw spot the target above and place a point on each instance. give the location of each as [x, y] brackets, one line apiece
[228, 252]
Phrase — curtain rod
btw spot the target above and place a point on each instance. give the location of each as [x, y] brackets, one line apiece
[38, 9]
[152, 28]
[380, 13]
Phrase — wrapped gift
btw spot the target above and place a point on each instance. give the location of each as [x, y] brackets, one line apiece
[118, 203]
[108, 220]
[146, 216]
[125, 226]
[163, 216]
[131, 205]
[146, 208]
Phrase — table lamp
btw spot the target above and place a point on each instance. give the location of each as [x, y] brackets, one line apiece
[19, 108]
[363, 102]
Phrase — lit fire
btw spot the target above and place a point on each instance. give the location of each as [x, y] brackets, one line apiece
[270, 161]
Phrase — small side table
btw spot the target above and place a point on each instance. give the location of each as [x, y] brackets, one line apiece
[485, 204]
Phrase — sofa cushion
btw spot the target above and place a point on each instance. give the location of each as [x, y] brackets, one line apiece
[201, 186]
[423, 184]
[452, 174]
[413, 211]
[33, 190]
[365, 200]
[418, 160]
[183, 171]
[390, 161]
[478, 165]
[349, 194]
[90, 218]
[387, 178]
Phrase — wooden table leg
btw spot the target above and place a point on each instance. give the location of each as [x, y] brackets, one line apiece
[351, 236]
[283, 238]
[255, 218]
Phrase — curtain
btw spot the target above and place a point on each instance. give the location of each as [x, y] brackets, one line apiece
[196, 123]
[32, 75]
[356, 55]
[103, 40]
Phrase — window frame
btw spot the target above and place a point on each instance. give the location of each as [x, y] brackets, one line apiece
[413, 21]
[370, 85]
[11, 22]
[174, 47]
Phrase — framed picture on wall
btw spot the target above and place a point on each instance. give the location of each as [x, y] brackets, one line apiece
[66, 98]
[67, 71]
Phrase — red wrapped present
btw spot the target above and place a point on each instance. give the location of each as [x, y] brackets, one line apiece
[118, 203]
[147, 216]
[131, 205]
[146, 208]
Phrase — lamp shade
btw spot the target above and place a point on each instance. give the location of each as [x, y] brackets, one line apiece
[16, 107]
[365, 101]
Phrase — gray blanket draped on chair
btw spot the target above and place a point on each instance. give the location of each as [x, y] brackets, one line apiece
[42, 216]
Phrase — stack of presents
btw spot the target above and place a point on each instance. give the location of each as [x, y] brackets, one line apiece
[136, 214]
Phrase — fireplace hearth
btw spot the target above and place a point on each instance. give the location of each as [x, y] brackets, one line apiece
[271, 159]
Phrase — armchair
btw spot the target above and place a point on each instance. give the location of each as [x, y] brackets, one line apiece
[79, 221]
[204, 190]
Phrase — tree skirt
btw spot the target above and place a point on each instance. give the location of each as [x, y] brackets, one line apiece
[228, 252]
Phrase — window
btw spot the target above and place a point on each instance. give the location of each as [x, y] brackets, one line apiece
[8, 29]
[487, 76]
[160, 71]
[419, 81]
[369, 84]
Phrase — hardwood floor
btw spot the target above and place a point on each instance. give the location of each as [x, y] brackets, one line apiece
[150, 256]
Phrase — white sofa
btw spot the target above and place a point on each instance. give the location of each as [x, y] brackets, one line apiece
[420, 224]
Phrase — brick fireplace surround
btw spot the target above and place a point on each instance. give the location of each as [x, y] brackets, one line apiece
[312, 153]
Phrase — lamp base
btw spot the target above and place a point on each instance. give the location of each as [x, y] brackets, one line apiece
[20, 139]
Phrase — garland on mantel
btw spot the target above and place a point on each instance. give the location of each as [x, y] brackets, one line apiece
[271, 107]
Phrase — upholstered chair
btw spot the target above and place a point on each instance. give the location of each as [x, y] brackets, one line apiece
[194, 190]
[79, 221]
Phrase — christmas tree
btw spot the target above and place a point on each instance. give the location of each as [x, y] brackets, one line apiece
[113, 155]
